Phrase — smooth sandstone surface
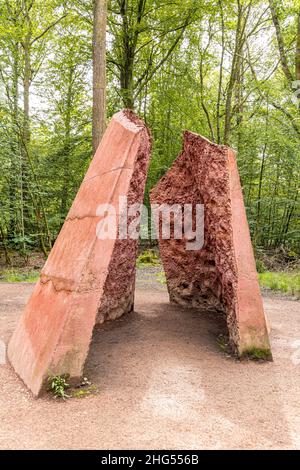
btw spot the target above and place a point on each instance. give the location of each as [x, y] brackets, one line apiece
[86, 280]
[221, 276]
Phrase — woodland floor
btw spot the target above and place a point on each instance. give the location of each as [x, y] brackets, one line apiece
[163, 382]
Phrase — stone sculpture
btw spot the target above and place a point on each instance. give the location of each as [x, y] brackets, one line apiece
[86, 280]
[221, 276]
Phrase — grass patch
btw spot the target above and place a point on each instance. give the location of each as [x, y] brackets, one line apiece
[161, 277]
[289, 283]
[148, 258]
[85, 392]
[19, 275]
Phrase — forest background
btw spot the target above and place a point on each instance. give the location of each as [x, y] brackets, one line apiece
[227, 69]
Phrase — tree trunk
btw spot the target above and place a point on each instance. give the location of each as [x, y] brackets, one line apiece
[26, 85]
[203, 105]
[298, 50]
[297, 60]
[280, 42]
[130, 34]
[220, 74]
[15, 157]
[25, 140]
[99, 71]
[233, 78]
[260, 185]
[4, 244]
[126, 74]
[127, 83]
[67, 148]
[239, 105]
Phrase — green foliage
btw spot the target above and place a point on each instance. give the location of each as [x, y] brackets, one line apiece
[161, 277]
[260, 266]
[181, 65]
[84, 392]
[148, 258]
[58, 385]
[257, 354]
[288, 283]
[19, 275]
[223, 343]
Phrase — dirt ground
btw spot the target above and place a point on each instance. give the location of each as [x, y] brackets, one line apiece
[163, 383]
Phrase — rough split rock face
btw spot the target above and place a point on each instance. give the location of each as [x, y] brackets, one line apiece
[221, 276]
[85, 279]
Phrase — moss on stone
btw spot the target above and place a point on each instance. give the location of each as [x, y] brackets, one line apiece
[257, 354]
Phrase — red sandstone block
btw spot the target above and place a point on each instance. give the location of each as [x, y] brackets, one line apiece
[85, 280]
[221, 276]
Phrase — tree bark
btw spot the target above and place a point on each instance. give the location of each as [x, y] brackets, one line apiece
[14, 163]
[298, 49]
[297, 60]
[99, 71]
[26, 85]
[25, 136]
[280, 42]
[67, 147]
[233, 75]
[129, 42]
[260, 185]
[220, 73]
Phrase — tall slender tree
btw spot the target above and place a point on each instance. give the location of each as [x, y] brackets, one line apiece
[99, 71]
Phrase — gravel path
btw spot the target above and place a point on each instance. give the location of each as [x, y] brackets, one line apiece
[163, 382]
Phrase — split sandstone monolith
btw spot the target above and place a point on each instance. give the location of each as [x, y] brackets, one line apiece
[221, 276]
[86, 280]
